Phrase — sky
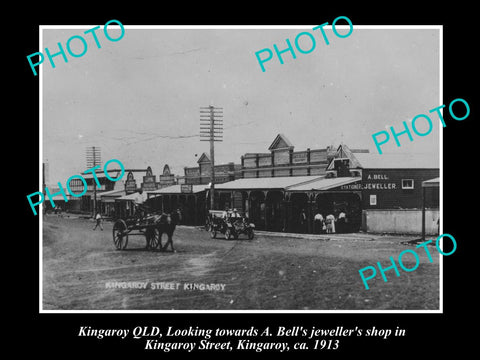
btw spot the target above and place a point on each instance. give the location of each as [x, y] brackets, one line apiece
[139, 98]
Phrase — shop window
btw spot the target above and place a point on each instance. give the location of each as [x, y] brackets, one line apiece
[373, 199]
[407, 183]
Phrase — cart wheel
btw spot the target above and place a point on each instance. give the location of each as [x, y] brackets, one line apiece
[120, 234]
[153, 238]
[227, 234]
[251, 234]
[213, 234]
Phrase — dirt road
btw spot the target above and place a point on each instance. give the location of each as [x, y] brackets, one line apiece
[82, 270]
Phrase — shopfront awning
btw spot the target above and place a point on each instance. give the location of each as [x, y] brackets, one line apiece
[60, 197]
[130, 197]
[267, 183]
[324, 184]
[178, 190]
[431, 183]
[110, 196]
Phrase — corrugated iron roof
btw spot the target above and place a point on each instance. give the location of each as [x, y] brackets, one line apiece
[325, 184]
[131, 197]
[431, 183]
[176, 189]
[281, 182]
[398, 161]
[112, 193]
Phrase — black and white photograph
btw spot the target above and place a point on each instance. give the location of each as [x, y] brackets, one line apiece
[286, 168]
[277, 179]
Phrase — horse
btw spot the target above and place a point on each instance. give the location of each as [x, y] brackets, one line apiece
[167, 225]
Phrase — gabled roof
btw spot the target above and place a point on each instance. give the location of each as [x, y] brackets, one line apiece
[166, 170]
[344, 152]
[203, 158]
[280, 142]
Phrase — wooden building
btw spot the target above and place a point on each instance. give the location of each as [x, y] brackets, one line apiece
[282, 160]
[391, 188]
[201, 174]
[378, 193]
[189, 199]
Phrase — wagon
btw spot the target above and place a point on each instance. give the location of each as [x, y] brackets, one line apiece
[148, 226]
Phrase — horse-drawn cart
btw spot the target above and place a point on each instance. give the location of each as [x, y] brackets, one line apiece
[151, 226]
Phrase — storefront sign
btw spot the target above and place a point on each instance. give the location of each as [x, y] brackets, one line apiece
[377, 177]
[186, 188]
[192, 172]
[369, 183]
[130, 184]
[299, 158]
[166, 170]
[265, 161]
[281, 157]
[222, 169]
[149, 186]
[149, 181]
[351, 187]
[249, 162]
[318, 156]
[379, 186]
[370, 186]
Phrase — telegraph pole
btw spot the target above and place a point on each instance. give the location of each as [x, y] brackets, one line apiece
[94, 159]
[211, 129]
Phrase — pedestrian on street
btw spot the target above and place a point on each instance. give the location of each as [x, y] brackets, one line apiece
[303, 221]
[180, 215]
[330, 221]
[98, 219]
[318, 222]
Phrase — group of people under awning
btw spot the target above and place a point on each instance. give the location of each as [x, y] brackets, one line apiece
[328, 224]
